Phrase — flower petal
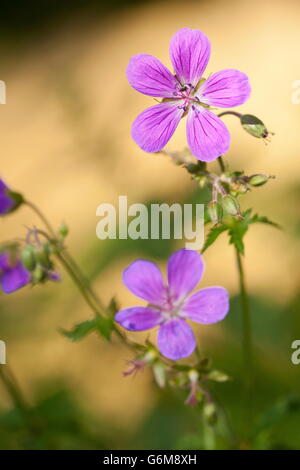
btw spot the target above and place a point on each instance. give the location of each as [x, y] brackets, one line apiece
[190, 53]
[6, 203]
[154, 127]
[144, 279]
[148, 75]
[207, 306]
[185, 269]
[138, 318]
[225, 89]
[207, 135]
[176, 339]
[14, 278]
[4, 260]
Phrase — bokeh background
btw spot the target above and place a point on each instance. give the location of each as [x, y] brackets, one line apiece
[65, 143]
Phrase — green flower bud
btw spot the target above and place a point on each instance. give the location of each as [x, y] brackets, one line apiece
[38, 274]
[218, 376]
[258, 180]
[28, 258]
[63, 230]
[230, 205]
[210, 413]
[159, 371]
[42, 255]
[215, 211]
[254, 126]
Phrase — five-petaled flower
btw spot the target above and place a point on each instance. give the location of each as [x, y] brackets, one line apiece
[185, 93]
[169, 306]
[13, 274]
[7, 203]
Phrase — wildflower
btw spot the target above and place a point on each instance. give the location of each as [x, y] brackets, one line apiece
[13, 274]
[185, 93]
[9, 200]
[169, 306]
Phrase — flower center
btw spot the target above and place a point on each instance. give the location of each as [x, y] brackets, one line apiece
[171, 308]
[185, 93]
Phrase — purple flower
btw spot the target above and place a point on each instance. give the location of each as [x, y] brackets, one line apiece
[170, 306]
[7, 203]
[185, 93]
[13, 275]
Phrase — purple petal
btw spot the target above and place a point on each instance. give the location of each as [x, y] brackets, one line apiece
[138, 318]
[144, 279]
[207, 306]
[190, 53]
[225, 89]
[148, 75]
[4, 260]
[14, 278]
[176, 339]
[207, 135]
[185, 269]
[53, 276]
[154, 127]
[6, 203]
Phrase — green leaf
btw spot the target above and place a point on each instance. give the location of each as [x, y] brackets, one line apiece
[105, 326]
[263, 220]
[80, 330]
[213, 235]
[102, 325]
[237, 232]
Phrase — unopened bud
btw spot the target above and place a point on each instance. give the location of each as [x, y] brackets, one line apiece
[38, 275]
[215, 211]
[210, 413]
[63, 230]
[254, 126]
[230, 205]
[159, 371]
[28, 258]
[42, 255]
[258, 180]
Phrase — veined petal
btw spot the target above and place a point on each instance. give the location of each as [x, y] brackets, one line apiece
[143, 278]
[176, 339]
[154, 127]
[14, 278]
[207, 135]
[207, 306]
[148, 75]
[138, 318]
[185, 269]
[225, 89]
[190, 53]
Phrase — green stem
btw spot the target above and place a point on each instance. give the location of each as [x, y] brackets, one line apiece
[68, 258]
[222, 164]
[42, 217]
[78, 282]
[247, 343]
[13, 388]
[233, 113]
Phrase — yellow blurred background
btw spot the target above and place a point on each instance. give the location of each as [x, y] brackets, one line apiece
[66, 144]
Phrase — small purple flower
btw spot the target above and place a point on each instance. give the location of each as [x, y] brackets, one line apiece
[13, 275]
[185, 93]
[7, 203]
[170, 306]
